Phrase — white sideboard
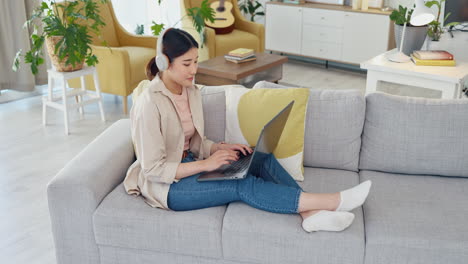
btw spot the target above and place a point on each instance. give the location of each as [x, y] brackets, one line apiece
[328, 32]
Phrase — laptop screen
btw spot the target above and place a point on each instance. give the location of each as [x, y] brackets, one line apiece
[269, 138]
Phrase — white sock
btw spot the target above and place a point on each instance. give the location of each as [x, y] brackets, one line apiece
[354, 197]
[328, 221]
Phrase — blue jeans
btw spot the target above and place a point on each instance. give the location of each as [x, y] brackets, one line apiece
[274, 190]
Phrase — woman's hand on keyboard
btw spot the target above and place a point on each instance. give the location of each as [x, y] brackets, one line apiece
[220, 158]
[236, 147]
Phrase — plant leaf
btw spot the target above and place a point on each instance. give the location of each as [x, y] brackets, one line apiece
[156, 28]
[17, 61]
[446, 16]
[431, 3]
[452, 24]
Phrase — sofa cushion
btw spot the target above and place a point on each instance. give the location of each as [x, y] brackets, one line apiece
[415, 135]
[249, 110]
[214, 111]
[252, 235]
[416, 219]
[333, 129]
[334, 123]
[122, 220]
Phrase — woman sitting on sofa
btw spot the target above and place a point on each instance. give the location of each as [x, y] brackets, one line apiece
[168, 135]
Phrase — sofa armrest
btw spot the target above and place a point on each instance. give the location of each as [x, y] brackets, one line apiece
[210, 42]
[78, 189]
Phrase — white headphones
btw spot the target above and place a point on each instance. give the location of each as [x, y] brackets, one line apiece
[162, 61]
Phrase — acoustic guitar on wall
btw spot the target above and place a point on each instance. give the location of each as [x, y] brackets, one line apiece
[224, 19]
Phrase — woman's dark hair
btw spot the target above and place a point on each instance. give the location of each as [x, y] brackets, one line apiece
[176, 42]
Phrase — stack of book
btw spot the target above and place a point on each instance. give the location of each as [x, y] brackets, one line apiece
[433, 58]
[240, 55]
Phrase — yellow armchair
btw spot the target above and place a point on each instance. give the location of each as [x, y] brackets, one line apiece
[122, 65]
[246, 34]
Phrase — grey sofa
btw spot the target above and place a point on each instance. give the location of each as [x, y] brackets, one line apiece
[413, 150]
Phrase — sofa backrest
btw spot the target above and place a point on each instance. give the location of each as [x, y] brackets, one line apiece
[214, 112]
[415, 136]
[334, 124]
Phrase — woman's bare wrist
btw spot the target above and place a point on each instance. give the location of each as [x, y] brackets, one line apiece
[219, 145]
[202, 164]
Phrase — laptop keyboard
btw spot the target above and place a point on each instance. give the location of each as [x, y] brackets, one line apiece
[238, 166]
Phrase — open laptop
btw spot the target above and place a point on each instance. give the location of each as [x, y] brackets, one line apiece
[266, 144]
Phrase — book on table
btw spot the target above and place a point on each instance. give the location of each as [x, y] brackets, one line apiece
[432, 55]
[241, 61]
[420, 62]
[241, 52]
[239, 58]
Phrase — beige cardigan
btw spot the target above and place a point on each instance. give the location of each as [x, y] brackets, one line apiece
[158, 139]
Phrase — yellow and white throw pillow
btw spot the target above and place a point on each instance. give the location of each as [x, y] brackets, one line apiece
[248, 110]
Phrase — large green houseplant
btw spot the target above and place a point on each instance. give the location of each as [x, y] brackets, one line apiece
[66, 29]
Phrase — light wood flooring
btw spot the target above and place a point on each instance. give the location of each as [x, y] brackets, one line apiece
[32, 154]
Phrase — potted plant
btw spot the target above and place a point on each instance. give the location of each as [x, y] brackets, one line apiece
[250, 7]
[66, 29]
[435, 29]
[414, 35]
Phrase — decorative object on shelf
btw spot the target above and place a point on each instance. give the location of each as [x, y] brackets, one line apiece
[376, 3]
[294, 1]
[250, 8]
[356, 4]
[333, 2]
[415, 35]
[67, 38]
[435, 29]
[364, 5]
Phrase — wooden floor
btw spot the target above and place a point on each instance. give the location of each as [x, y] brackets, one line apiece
[32, 154]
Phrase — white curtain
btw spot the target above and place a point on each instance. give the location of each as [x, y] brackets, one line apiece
[13, 14]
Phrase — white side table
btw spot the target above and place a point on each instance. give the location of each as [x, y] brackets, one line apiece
[449, 80]
[50, 99]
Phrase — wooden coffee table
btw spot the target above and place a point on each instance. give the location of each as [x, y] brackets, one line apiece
[218, 71]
